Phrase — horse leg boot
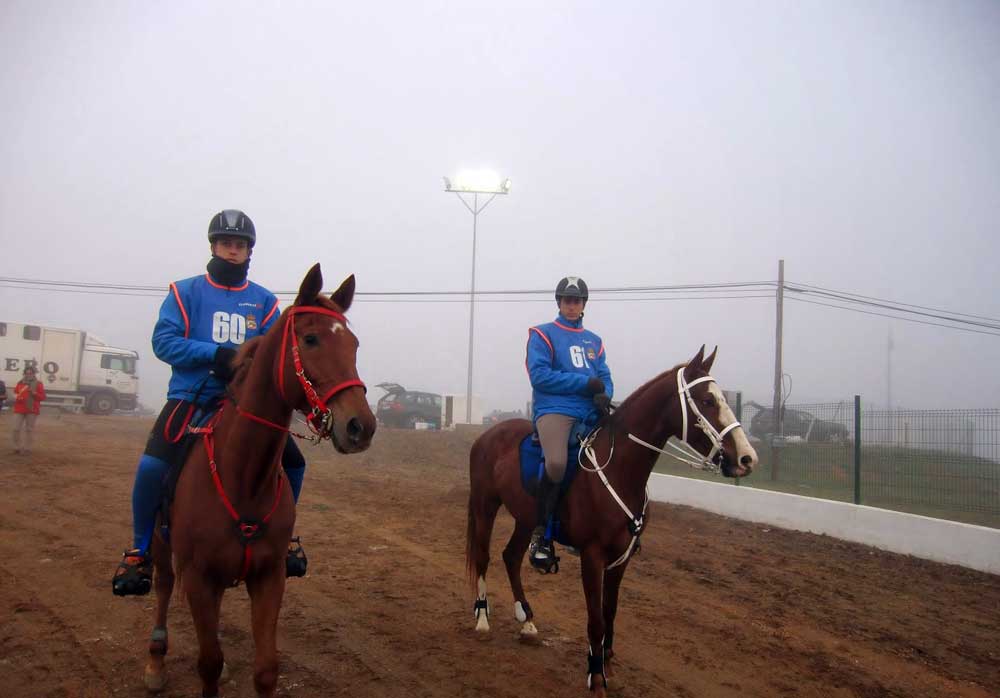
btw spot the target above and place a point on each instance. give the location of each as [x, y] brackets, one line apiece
[513, 556]
[541, 553]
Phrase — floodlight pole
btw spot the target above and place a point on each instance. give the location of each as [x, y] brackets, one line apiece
[475, 210]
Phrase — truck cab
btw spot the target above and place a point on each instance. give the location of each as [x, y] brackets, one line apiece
[79, 371]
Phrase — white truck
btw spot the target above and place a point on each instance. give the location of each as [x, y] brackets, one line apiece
[79, 371]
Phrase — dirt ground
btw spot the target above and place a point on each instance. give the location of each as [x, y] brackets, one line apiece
[712, 607]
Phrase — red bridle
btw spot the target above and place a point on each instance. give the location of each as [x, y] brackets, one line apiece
[320, 418]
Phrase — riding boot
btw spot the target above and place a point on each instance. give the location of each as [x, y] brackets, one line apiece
[541, 553]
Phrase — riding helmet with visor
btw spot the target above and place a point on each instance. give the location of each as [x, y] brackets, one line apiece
[232, 223]
[572, 287]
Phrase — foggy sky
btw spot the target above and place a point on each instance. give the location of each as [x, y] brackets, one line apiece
[648, 143]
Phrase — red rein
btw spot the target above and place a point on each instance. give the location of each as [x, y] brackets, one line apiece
[248, 529]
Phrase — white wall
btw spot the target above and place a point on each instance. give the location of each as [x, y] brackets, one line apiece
[977, 547]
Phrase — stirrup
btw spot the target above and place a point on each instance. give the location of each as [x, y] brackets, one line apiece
[295, 560]
[542, 556]
[134, 575]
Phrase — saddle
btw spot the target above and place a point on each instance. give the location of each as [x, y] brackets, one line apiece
[533, 465]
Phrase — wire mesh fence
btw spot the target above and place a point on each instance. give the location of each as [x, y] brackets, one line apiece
[940, 463]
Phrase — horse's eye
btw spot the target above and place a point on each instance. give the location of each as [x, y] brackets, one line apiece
[311, 340]
[708, 402]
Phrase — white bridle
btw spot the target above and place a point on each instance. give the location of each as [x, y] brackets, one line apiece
[702, 462]
[689, 455]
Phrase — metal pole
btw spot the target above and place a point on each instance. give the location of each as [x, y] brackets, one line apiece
[857, 449]
[779, 312]
[472, 311]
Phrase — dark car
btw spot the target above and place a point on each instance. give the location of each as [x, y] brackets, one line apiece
[404, 409]
[797, 423]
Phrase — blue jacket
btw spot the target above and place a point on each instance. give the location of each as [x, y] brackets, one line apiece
[562, 357]
[196, 318]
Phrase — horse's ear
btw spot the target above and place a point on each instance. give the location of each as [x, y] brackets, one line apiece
[311, 287]
[709, 360]
[695, 363]
[345, 294]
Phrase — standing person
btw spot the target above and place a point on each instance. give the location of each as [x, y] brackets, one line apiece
[28, 395]
[3, 394]
[570, 382]
[202, 322]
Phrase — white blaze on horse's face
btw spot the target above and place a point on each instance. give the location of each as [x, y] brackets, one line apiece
[726, 417]
[337, 327]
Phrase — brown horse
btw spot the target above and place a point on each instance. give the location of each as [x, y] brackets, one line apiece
[604, 510]
[233, 513]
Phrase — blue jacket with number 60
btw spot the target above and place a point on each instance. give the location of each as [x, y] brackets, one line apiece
[562, 357]
[196, 318]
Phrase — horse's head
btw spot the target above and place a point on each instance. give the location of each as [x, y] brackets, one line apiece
[317, 370]
[712, 429]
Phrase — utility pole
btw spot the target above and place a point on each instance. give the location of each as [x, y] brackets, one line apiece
[778, 426]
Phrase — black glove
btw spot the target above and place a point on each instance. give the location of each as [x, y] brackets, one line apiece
[222, 365]
[603, 403]
[595, 385]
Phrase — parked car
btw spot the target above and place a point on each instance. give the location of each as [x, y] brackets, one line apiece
[405, 409]
[797, 423]
[497, 416]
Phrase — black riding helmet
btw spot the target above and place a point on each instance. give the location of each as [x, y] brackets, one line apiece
[573, 287]
[232, 223]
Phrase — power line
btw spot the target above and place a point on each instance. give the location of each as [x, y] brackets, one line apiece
[883, 300]
[290, 294]
[894, 317]
[707, 288]
[648, 293]
[888, 305]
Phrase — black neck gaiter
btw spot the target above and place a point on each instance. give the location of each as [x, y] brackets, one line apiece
[227, 273]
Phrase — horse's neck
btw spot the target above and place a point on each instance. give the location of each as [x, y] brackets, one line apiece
[651, 416]
[256, 447]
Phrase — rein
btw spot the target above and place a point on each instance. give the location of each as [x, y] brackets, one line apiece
[708, 463]
[319, 421]
[247, 530]
[705, 463]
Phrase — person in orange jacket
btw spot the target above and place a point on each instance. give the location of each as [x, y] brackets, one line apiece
[28, 395]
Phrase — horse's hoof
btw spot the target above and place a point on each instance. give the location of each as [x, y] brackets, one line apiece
[529, 633]
[597, 687]
[154, 681]
[224, 675]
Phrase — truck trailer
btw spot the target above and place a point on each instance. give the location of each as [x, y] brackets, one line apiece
[79, 370]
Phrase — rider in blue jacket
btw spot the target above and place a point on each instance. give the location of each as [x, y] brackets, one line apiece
[570, 382]
[203, 320]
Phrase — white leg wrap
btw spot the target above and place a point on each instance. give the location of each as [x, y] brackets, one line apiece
[519, 613]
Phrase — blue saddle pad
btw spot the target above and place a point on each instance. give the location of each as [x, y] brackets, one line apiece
[533, 466]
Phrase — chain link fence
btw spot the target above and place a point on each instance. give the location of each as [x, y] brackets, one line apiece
[940, 463]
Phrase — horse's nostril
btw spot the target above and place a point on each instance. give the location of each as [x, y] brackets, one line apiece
[354, 429]
[746, 461]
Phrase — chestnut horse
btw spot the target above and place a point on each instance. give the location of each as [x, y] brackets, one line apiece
[604, 510]
[233, 513]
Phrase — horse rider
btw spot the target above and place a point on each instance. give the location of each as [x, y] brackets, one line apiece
[570, 382]
[202, 322]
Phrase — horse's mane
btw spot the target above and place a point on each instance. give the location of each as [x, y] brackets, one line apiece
[638, 392]
[244, 359]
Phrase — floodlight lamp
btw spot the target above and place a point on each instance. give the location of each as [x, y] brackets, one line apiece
[478, 182]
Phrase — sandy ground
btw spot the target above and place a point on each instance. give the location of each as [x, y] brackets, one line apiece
[712, 607]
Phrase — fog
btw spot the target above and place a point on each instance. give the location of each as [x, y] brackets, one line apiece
[648, 144]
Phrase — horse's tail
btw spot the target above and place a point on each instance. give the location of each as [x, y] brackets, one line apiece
[470, 537]
[470, 529]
